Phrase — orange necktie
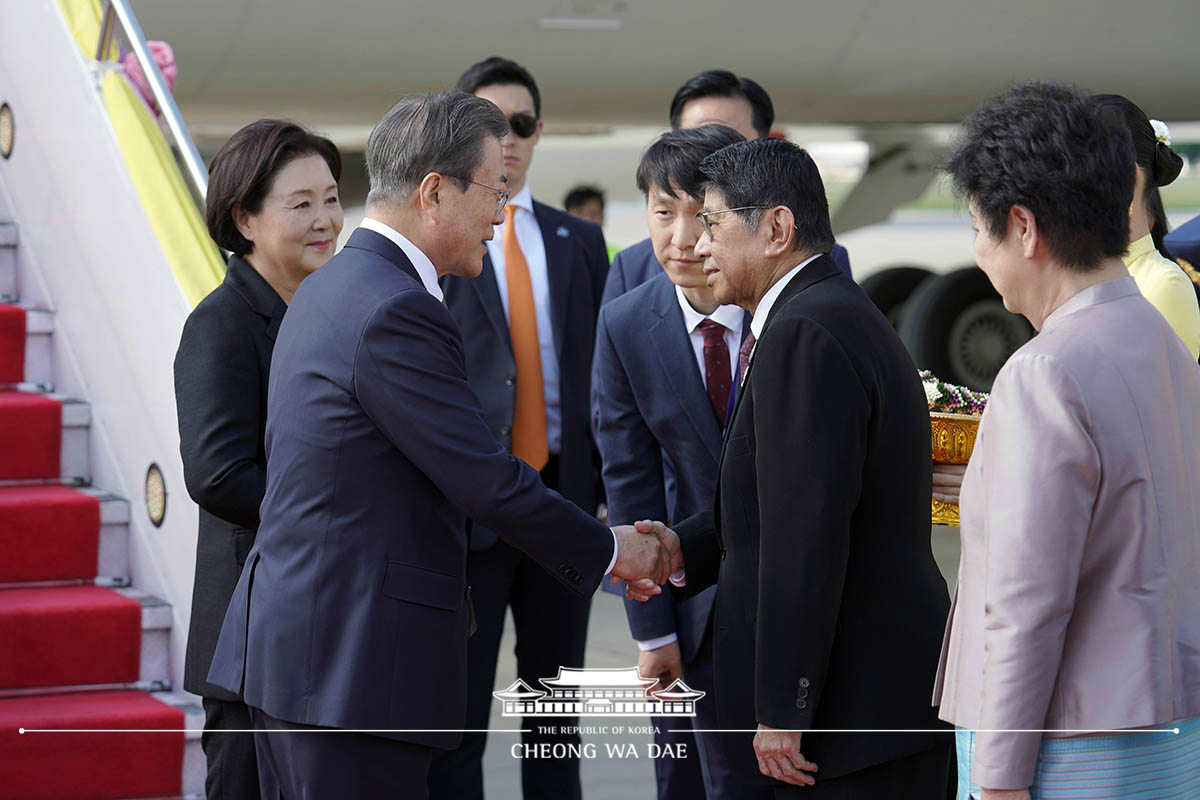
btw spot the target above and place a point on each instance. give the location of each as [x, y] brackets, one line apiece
[529, 412]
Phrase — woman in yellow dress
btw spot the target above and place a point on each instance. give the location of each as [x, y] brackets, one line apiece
[1158, 277]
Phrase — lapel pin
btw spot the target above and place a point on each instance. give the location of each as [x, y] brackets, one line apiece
[562, 232]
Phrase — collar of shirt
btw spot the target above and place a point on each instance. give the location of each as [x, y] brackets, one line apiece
[1095, 294]
[420, 261]
[1139, 248]
[759, 321]
[729, 316]
[522, 200]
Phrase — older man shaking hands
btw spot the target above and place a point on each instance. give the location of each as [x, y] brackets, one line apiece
[353, 611]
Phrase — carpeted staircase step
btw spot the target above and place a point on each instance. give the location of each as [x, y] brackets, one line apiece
[43, 438]
[12, 343]
[48, 533]
[68, 636]
[30, 435]
[102, 766]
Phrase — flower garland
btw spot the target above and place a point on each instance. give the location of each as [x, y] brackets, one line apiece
[951, 399]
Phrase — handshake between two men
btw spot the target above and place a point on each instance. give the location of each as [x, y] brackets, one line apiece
[648, 555]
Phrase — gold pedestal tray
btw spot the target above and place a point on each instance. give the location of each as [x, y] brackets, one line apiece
[953, 440]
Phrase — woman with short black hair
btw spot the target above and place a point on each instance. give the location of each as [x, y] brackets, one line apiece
[273, 203]
[1077, 607]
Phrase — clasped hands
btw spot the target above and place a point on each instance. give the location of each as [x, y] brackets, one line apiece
[648, 554]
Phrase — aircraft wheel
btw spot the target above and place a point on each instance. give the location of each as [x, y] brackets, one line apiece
[889, 289]
[957, 326]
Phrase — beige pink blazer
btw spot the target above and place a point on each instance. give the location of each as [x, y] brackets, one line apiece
[1078, 597]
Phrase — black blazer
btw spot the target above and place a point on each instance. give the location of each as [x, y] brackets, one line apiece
[577, 263]
[221, 371]
[352, 610]
[830, 607]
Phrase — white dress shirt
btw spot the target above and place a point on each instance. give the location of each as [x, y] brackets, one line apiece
[731, 317]
[428, 275]
[533, 247]
[424, 267]
[759, 320]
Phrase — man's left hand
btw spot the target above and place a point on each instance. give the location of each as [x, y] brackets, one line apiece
[779, 756]
[1004, 794]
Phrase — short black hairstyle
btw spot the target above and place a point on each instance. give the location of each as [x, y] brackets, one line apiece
[723, 83]
[244, 169]
[497, 70]
[672, 161]
[1045, 146]
[765, 173]
[580, 195]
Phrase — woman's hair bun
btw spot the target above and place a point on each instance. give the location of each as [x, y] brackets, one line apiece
[1167, 164]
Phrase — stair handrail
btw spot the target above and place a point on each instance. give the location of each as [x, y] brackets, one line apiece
[119, 11]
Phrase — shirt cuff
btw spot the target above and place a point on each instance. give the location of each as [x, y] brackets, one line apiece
[661, 641]
[612, 563]
[679, 578]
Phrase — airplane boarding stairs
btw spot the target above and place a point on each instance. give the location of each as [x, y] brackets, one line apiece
[80, 648]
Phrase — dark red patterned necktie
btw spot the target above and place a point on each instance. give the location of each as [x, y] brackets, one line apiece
[744, 357]
[718, 376]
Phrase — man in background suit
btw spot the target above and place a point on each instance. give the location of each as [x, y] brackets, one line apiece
[714, 97]
[829, 607]
[528, 323]
[353, 610]
[664, 371]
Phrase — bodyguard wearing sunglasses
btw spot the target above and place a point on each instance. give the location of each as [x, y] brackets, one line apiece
[528, 323]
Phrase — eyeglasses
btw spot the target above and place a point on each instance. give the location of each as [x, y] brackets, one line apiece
[523, 125]
[502, 195]
[704, 215]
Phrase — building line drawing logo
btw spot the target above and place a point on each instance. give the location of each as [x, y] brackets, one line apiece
[619, 692]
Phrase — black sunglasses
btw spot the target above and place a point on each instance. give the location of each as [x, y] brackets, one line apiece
[523, 125]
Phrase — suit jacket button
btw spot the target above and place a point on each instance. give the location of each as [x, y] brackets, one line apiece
[564, 569]
[509, 381]
[801, 704]
[804, 684]
[505, 430]
[802, 693]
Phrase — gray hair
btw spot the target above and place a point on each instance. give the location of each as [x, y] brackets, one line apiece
[424, 133]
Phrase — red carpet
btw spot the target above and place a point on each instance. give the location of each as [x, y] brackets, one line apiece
[57, 766]
[69, 636]
[12, 344]
[30, 435]
[48, 533]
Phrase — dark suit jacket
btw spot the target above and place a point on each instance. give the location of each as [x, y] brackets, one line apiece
[651, 408]
[352, 610]
[636, 264]
[221, 371]
[829, 608]
[577, 263]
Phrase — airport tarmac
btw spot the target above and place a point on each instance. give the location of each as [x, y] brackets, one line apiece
[609, 645]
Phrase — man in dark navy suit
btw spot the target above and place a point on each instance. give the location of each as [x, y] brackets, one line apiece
[353, 609]
[665, 370]
[528, 323]
[714, 97]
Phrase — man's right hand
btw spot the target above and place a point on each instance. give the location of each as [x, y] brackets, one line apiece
[650, 552]
[664, 663]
